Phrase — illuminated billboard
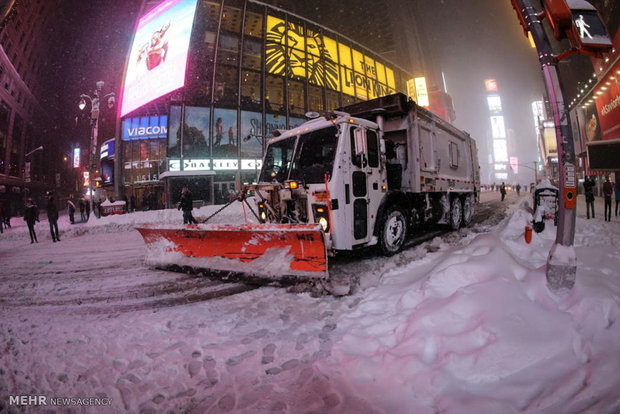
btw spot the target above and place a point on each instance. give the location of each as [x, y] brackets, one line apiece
[498, 130]
[551, 144]
[495, 103]
[500, 150]
[491, 85]
[514, 164]
[76, 157]
[421, 91]
[301, 53]
[146, 127]
[158, 57]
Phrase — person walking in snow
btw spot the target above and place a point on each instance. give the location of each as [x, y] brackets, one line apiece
[52, 216]
[518, 189]
[87, 209]
[71, 211]
[82, 204]
[617, 191]
[187, 204]
[31, 215]
[502, 191]
[588, 190]
[608, 191]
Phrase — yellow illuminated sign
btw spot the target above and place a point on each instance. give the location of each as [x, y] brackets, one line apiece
[421, 91]
[411, 89]
[326, 63]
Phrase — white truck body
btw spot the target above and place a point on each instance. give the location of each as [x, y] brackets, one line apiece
[374, 173]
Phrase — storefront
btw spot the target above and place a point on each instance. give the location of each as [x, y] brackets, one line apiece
[596, 120]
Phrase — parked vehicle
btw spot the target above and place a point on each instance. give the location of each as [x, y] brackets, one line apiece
[373, 173]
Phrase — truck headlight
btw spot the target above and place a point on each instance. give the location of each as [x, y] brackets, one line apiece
[321, 216]
[262, 212]
[323, 222]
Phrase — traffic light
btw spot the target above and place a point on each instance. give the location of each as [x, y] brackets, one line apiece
[580, 22]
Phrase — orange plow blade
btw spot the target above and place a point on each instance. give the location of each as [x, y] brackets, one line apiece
[269, 251]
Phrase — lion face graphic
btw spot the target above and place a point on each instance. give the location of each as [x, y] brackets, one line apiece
[316, 65]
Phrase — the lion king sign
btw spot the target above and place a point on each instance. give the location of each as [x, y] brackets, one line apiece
[323, 61]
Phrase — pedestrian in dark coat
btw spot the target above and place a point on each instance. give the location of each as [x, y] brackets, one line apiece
[2, 218]
[87, 209]
[71, 211]
[608, 191]
[7, 217]
[31, 215]
[617, 191]
[588, 190]
[502, 191]
[187, 204]
[52, 217]
[82, 204]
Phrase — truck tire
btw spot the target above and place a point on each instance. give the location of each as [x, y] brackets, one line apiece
[456, 213]
[393, 230]
[468, 210]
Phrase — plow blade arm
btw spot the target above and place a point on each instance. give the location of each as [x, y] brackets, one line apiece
[269, 251]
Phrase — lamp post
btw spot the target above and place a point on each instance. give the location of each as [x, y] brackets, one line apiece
[27, 171]
[94, 124]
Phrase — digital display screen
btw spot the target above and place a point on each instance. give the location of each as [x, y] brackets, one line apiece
[158, 57]
[498, 130]
[76, 157]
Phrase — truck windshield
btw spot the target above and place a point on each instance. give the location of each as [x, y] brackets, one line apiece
[314, 157]
[277, 161]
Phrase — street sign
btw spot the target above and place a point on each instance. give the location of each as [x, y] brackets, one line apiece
[570, 186]
[590, 30]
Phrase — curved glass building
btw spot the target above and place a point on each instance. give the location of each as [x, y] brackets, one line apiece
[207, 81]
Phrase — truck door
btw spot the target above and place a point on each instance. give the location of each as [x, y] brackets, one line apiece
[365, 182]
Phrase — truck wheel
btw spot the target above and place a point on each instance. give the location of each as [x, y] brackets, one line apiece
[468, 210]
[393, 231]
[456, 214]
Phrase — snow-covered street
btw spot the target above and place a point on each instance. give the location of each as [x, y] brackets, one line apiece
[460, 323]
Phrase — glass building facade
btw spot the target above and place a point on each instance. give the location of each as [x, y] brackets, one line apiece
[251, 69]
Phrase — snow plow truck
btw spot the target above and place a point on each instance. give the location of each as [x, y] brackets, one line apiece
[371, 174]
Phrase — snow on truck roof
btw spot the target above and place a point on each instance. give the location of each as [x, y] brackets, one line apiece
[321, 123]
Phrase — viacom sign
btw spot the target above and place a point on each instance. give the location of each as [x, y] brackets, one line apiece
[218, 165]
[145, 127]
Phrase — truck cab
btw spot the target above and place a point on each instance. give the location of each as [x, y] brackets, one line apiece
[328, 171]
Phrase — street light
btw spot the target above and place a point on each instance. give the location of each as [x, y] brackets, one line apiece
[94, 123]
[27, 171]
[33, 151]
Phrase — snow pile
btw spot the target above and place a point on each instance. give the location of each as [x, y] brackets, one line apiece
[481, 333]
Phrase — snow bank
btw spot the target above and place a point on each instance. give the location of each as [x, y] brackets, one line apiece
[481, 333]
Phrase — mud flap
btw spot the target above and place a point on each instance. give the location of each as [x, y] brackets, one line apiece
[268, 251]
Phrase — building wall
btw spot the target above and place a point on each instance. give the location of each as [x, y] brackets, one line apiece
[24, 55]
